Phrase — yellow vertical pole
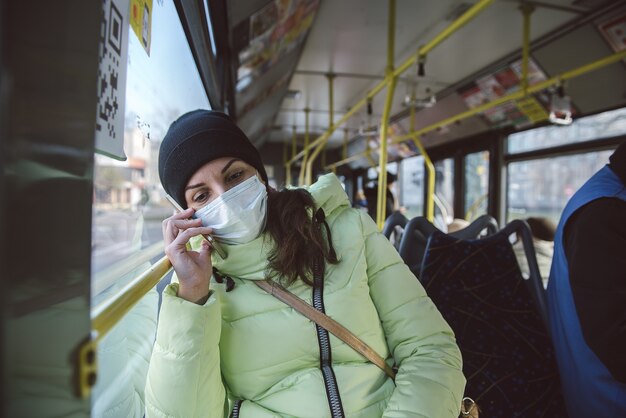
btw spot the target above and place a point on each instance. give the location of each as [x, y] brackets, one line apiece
[384, 126]
[344, 148]
[430, 168]
[286, 164]
[293, 154]
[371, 160]
[306, 144]
[527, 10]
[331, 106]
[293, 141]
[288, 174]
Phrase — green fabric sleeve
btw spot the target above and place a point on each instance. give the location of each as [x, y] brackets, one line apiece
[184, 378]
[430, 379]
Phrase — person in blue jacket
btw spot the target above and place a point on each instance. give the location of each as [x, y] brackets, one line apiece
[587, 294]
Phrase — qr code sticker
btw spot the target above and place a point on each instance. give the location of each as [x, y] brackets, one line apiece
[112, 78]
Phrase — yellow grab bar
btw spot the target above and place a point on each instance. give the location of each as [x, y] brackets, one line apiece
[471, 13]
[105, 316]
[592, 66]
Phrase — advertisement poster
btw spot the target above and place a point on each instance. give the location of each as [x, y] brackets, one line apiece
[520, 113]
[402, 149]
[141, 21]
[532, 109]
[491, 87]
[274, 31]
[473, 96]
[394, 150]
[535, 74]
[112, 79]
[508, 80]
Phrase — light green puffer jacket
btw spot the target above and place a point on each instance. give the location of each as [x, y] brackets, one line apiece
[247, 345]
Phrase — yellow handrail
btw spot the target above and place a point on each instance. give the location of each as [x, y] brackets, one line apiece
[293, 152]
[105, 278]
[287, 164]
[306, 145]
[471, 13]
[107, 315]
[469, 216]
[542, 85]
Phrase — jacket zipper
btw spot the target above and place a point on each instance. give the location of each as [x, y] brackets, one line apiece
[236, 409]
[330, 380]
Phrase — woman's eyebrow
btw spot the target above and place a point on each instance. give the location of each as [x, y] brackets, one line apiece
[226, 167]
[194, 186]
[229, 164]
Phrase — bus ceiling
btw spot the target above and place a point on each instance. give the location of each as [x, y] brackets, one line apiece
[280, 59]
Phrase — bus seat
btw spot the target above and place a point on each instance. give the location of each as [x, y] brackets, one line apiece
[395, 219]
[484, 223]
[418, 230]
[395, 224]
[498, 320]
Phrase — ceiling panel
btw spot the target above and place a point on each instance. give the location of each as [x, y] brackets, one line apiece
[350, 36]
[594, 91]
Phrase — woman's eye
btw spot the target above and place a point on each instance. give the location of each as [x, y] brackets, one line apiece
[234, 176]
[201, 197]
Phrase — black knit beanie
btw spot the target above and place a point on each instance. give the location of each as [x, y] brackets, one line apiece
[196, 138]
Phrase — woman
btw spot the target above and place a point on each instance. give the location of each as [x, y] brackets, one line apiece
[225, 347]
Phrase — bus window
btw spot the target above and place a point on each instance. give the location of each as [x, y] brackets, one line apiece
[412, 186]
[444, 193]
[476, 184]
[128, 201]
[129, 205]
[541, 188]
[602, 125]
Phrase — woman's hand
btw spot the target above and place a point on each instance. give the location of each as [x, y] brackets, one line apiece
[193, 268]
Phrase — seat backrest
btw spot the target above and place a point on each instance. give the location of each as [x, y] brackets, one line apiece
[418, 229]
[413, 243]
[508, 357]
[395, 219]
[485, 223]
[393, 228]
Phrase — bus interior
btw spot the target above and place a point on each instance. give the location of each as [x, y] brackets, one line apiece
[501, 108]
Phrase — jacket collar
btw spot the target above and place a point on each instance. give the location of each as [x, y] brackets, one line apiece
[329, 194]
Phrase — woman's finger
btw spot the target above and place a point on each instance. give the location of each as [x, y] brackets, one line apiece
[183, 237]
[186, 214]
[172, 227]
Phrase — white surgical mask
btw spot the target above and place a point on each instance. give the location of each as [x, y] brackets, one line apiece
[238, 215]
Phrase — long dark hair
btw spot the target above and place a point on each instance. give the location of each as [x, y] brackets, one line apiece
[295, 225]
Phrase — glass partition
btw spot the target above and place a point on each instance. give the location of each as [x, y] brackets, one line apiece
[476, 184]
[412, 186]
[602, 125]
[444, 193]
[541, 188]
[128, 202]
[129, 206]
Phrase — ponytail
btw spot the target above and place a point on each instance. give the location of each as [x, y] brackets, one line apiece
[295, 226]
